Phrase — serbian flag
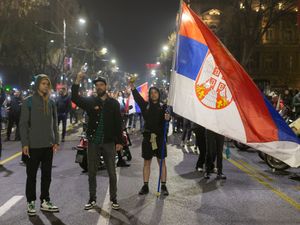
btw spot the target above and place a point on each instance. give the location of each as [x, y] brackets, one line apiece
[143, 90]
[210, 88]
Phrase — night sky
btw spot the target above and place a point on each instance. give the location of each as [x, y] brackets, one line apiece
[137, 29]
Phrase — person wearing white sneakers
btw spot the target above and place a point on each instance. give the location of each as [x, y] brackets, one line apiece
[39, 138]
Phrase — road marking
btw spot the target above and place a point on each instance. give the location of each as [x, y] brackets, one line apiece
[255, 170]
[105, 219]
[10, 158]
[282, 195]
[10, 203]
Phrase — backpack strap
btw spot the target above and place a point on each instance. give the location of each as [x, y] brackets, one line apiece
[29, 105]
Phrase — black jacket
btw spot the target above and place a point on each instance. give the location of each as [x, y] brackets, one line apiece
[15, 105]
[63, 104]
[153, 114]
[112, 115]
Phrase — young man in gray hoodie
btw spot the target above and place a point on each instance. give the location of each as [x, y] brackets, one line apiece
[39, 138]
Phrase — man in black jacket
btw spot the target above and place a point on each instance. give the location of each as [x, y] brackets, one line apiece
[14, 114]
[154, 114]
[63, 105]
[104, 135]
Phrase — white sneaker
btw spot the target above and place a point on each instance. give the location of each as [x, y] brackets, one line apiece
[91, 204]
[115, 205]
[31, 208]
[48, 206]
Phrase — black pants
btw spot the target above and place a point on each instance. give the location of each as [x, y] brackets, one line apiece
[13, 119]
[201, 144]
[43, 157]
[214, 145]
[187, 131]
[62, 117]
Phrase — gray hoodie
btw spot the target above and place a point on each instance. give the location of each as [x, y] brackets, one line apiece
[38, 128]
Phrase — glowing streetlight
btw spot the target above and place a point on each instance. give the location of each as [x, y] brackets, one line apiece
[165, 48]
[82, 21]
[51, 41]
[113, 61]
[158, 63]
[104, 51]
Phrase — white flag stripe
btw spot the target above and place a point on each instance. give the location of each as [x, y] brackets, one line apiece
[226, 121]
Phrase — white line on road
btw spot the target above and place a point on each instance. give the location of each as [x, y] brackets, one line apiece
[105, 220]
[11, 202]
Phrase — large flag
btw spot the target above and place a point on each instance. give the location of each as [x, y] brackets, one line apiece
[143, 90]
[209, 87]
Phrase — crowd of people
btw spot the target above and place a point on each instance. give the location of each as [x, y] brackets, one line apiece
[38, 116]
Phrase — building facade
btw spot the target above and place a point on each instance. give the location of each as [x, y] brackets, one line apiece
[275, 58]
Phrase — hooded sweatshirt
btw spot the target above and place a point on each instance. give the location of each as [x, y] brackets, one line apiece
[38, 123]
[153, 113]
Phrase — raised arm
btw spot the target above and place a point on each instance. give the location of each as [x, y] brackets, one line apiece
[80, 101]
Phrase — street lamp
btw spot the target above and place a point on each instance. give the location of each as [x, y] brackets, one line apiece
[113, 61]
[165, 48]
[104, 51]
[82, 21]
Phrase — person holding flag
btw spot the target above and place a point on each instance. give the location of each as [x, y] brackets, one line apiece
[155, 115]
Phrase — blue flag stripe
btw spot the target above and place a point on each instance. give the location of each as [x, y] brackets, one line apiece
[190, 57]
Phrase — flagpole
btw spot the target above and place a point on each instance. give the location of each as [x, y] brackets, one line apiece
[172, 81]
[162, 158]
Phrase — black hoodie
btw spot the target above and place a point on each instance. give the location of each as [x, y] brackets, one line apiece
[153, 113]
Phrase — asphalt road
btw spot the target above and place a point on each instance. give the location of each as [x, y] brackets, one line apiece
[252, 193]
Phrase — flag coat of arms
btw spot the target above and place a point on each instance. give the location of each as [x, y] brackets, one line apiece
[209, 87]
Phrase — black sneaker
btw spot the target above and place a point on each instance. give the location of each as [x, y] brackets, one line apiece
[115, 205]
[122, 163]
[221, 176]
[207, 175]
[164, 190]
[144, 190]
[91, 204]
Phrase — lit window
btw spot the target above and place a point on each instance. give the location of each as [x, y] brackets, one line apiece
[214, 12]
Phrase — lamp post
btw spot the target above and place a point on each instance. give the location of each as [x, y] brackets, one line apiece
[81, 21]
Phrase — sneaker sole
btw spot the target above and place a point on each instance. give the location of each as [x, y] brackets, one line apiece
[115, 208]
[31, 214]
[50, 210]
[88, 208]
